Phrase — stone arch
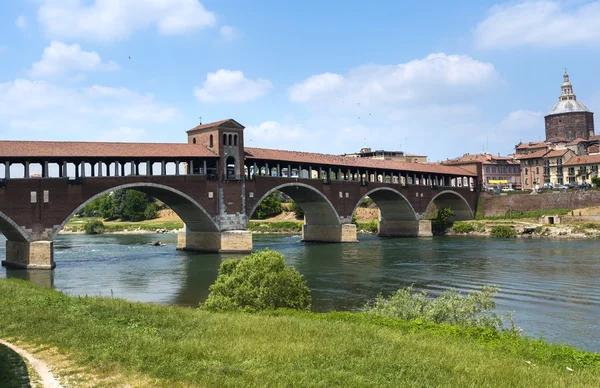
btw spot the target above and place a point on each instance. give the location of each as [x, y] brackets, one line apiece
[11, 230]
[459, 205]
[393, 205]
[318, 210]
[195, 217]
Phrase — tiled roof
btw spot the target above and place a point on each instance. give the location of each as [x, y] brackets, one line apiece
[585, 159]
[74, 149]
[556, 153]
[577, 141]
[480, 158]
[234, 124]
[533, 155]
[538, 144]
[334, 160]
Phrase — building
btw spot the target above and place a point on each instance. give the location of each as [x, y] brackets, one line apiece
[569, 118]
[581, 169]
[400, 156]
[495, 171]
[554, 161]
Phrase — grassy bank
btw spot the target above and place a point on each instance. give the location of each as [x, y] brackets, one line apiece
[77, 224]
[275, 226]
[174, 346]
[530, 214]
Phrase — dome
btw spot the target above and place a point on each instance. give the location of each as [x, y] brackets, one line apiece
[567, 101]
[568, 106]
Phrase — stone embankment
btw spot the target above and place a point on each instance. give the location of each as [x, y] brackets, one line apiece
[499, 205]
[524, 229]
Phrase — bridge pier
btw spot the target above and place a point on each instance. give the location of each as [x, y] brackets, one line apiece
[230, 241]
[29, 255]
[421, 228]
[345, 233]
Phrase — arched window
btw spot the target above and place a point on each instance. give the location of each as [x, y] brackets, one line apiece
[230, 140]
[224, 139]
[210, 141]
[230, 167]
[194, 140]
[235, 140]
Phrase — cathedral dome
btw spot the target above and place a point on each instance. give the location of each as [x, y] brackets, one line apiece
[567, 101]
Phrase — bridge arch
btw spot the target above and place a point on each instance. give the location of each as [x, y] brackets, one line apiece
[195, 217]
[318, 210]
[392, 204]
[11, 230]
[459, 205]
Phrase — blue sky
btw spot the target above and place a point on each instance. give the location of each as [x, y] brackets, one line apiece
[437, 78]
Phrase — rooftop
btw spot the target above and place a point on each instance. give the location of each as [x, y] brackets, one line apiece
[585, 159]
[567, 101]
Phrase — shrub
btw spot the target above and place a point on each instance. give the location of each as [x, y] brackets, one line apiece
[463, 227]
[298, 212]
[151, 212]
[476, 309]
[93, 227]
[503, 231]
[442, 220]
[261, 281]
[596, 181]
[366, 202]
[269, 207]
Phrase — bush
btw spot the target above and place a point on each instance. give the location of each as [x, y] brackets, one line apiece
[151, 212]
[596, 181]
[503, 231]
[366, 202]
[269, 207]
[442, 220]
[298, 212]
[93, 227]
[261, 281]
[474, 310]
[463, 227]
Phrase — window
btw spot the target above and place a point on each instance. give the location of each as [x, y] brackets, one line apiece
[526, 171]
[537, 170]
[526, 181]
[224, 139]
[235, 140]
[194, 140]
[487, 169]
[230, 140]
[210, 141]
[493, 169]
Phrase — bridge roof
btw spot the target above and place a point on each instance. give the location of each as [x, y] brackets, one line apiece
[345, 161]
[74, 149]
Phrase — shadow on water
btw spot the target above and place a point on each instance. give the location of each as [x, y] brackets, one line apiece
[42, 278]
[13, 369]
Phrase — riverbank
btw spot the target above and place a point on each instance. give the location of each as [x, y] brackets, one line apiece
[525, 229]
[120, 343]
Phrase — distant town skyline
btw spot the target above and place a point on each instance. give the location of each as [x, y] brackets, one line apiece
[438, 79]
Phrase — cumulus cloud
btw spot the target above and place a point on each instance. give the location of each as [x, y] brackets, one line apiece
[228, 33]
[438, 78]
[60, 58]
[23, 99]
[231, 86]
[21, 22]
[539, 23]
[110, 20]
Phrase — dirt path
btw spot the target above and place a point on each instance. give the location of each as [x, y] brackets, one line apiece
[48, 380]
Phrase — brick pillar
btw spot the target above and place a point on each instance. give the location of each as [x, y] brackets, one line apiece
[231, 241]
[344, 233]
[29, 255]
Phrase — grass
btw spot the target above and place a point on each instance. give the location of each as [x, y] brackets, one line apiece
[275, 226]
[13, 369]
[77, 224]
[530, 214]
[176, 346]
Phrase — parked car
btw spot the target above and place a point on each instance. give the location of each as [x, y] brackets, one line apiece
[547, 186]
[506, 189]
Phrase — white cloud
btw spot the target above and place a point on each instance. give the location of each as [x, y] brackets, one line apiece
[124, 134]
[231, 86]
[273, 132]
[60, 58]
[438, 78]
[23, 99]
[229, 33]
[21, 22]
[539, 23]
[110, 20]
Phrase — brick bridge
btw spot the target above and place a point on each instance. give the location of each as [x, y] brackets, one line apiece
[214, 184]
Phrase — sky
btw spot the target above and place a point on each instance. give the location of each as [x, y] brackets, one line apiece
[435, 78]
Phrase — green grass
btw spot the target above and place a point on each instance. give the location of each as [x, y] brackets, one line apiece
[371, 227]
[13, 369]
[275, 226]
[530, 214]
[77, 224]
[176, 346]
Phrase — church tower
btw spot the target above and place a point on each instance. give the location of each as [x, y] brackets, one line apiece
[569, 118]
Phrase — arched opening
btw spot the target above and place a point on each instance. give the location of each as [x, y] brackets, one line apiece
[210, 141]
[395, 215]
[317, 209]
[230, 142]
[194, 140]
[230, 167]
[235, 140]
[194, 216]
[11, 230]
[224, 139]
[456, 202]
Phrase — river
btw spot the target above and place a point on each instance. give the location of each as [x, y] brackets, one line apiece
[553, 286]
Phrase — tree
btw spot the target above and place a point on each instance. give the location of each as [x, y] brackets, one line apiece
[261, 281]
[134, 206]
[442, 220]
[298, 212]
[269, 207]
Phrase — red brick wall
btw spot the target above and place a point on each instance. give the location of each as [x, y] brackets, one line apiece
[496, 205]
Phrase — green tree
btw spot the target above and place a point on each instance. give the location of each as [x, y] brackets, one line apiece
[93, 227]
[269, 207]
[596, 181]
[134, 206]
[261, 281]
[298, 212]
[442, 220]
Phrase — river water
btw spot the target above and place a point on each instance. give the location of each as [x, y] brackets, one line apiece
[552, 286]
